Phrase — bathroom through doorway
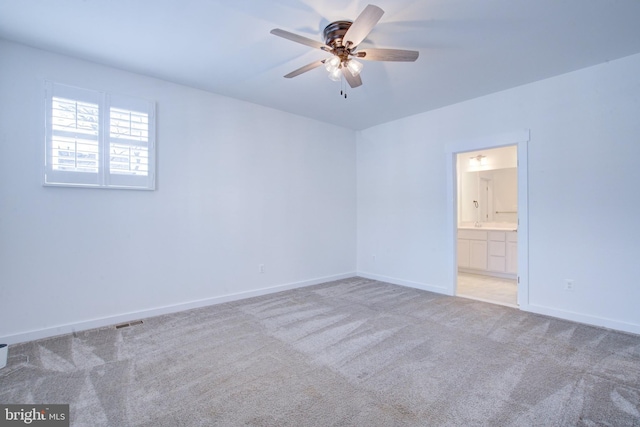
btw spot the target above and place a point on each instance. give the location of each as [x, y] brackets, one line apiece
[489, 219]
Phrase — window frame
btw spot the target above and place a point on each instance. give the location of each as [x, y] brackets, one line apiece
[104, 177]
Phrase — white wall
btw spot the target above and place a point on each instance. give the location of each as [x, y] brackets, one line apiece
[238, 185]
[583, 174]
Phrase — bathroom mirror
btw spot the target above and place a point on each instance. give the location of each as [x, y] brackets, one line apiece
[489, 196]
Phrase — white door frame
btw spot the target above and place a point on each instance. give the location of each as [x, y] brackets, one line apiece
[521, 140]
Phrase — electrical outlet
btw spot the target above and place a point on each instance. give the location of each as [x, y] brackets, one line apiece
[261, 268]
[569, 285]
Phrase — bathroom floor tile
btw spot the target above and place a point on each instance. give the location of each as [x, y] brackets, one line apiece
[488, 289]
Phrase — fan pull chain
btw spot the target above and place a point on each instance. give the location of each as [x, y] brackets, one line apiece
[343, 88]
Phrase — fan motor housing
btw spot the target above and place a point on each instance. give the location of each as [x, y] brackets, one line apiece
[334, 33]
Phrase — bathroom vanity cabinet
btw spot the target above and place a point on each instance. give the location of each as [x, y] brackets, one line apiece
[472, 249]
[489, 252]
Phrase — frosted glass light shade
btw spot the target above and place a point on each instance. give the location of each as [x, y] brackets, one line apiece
[332, 64]
[336, 75]
[354, 66]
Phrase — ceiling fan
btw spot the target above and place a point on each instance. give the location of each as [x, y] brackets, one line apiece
[341, 39]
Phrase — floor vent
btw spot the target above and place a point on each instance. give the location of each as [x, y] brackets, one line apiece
[126, 325]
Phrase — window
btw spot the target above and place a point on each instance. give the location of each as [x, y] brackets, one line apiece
[95, 139]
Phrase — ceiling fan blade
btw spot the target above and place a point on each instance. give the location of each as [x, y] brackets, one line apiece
[363, 25]
[354, 81]
[304, 69]
[298, 39]
[388, 55]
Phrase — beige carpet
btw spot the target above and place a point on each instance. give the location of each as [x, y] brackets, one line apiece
[350, 353]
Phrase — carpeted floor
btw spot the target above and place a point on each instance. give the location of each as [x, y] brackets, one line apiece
[354, 352]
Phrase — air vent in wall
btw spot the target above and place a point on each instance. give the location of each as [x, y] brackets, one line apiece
[126, 325]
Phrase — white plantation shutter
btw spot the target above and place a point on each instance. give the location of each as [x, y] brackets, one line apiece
[74, 135]
[98, 140]
[130, 142]
[73, 124]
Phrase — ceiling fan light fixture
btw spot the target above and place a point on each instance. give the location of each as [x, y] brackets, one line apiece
[332, 64]
[354, 66]
[341, 40]
[335, 75]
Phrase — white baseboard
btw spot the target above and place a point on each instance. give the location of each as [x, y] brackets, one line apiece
[407, 283]
[583, 318]
[136, 315]
[127, 317]
[560, 314]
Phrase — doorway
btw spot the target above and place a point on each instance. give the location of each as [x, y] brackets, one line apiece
[487, 224]
[493, 250]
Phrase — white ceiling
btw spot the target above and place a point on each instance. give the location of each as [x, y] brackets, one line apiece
[468, 48]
